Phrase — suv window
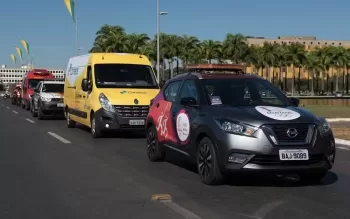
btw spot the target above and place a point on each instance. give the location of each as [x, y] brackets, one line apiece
[170, 92]
[189, 89]
[236, 92]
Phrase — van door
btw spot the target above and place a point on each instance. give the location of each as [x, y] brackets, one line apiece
[87, 101]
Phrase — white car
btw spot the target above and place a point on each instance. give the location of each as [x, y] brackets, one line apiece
[47, 99]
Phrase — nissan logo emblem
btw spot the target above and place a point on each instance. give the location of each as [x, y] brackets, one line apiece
[136, 101]
[292, 132]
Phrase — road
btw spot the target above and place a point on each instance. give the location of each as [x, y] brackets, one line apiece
[49, 171]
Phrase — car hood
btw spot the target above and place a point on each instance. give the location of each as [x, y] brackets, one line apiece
[52, 95]
[262, 115]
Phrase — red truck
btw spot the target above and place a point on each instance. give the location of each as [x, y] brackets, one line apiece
[30, 81]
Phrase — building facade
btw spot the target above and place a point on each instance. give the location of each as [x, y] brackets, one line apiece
[15, 75]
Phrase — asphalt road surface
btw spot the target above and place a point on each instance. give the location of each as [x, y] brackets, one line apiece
[49, 171]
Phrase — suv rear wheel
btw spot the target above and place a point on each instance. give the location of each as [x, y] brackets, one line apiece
[154, 150]
[208, 164]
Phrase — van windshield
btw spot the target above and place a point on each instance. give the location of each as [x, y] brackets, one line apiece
[53, 88]
[124, 76]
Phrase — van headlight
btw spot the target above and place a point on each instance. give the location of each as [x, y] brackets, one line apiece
[105, 103]
[236, 128]
[325, 126]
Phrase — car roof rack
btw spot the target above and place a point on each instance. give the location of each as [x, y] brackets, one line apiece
[215, 68]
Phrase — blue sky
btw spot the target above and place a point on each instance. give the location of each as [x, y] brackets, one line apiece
[49, 30]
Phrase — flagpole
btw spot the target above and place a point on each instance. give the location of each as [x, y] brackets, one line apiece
[76, 27]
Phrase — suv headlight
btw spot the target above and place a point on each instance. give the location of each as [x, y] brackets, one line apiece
[325, 126]
[236, 128]
[46, 99]
[105, 103]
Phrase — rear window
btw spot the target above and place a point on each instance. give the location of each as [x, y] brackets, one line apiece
[124, 76]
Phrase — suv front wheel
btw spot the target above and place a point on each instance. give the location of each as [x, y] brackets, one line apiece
[208, 164]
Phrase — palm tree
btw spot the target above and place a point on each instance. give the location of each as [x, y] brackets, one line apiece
[135, 42]
[211, 49]
[189, 49]
[296, 54]
[234, 47]
[313, 66]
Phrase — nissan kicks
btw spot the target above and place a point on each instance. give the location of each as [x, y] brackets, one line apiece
[229, 123]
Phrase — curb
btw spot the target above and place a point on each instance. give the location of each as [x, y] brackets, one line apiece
[342, 142]
[338, 120]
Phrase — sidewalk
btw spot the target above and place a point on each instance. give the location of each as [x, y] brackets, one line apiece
[341, 130]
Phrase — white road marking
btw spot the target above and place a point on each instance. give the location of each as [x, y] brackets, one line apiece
[29, 120]
[59, 137]
[15, 112]
[180, 210]
[8, 107]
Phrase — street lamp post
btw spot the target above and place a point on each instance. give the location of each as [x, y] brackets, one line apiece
[158, 34]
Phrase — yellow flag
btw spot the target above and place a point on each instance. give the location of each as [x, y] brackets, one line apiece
[19, 52]
[13, 57]
[25, 46]
[70, 7]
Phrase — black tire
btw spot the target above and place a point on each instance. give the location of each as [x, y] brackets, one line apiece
[155, 151]
[32, 110]
[208, 164]
[70, 123]
[40, 113]
[96, 131]
[312, 177]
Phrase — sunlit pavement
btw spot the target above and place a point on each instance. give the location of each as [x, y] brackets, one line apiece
[50, 171]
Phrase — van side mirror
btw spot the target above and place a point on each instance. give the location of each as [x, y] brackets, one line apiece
[85, 85]
[188, 101]
[294, 101]
[36, 90]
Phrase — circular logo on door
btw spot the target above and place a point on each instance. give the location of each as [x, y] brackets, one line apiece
[182, 126]
[136, 101]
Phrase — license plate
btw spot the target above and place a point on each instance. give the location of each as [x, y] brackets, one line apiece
[301, 154]
[60, 105]
[136, 122]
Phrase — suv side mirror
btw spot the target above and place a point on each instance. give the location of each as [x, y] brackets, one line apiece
[188, 101]
[84, 85]
[294, 101]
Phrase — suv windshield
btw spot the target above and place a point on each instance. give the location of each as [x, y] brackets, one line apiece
[33, 83]
[124, 76]
[242, 92]
[53, 88]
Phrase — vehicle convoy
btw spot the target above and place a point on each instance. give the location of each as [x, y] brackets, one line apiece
[218, 116]
[47, 99]
[16, 98]
[30, 81]
[109, 91]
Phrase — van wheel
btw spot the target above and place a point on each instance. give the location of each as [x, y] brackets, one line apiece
[154, 149]
[96, 131]
[208, 164]
[70, 123]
